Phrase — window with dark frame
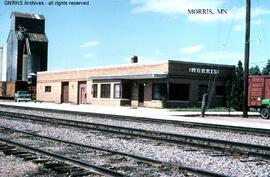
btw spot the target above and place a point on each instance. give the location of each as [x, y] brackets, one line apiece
[94, 90]
[126, 90]
[117, 91]
[179, 92]
[159, 91]
[202, 89]
[105, 90]
[48, 88]
[220, 90]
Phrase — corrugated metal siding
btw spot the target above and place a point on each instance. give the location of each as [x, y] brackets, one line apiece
[12, 59]
[35, 37]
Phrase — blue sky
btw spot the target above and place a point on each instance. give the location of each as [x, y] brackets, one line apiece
[109, 32]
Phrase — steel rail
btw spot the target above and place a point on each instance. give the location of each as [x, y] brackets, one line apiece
[146, 159]
[62, 158]
[189, 124]
[220, 145]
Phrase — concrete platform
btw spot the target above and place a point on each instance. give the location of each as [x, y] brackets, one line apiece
[221, 118]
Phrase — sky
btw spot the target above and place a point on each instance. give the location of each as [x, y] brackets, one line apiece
[110, 32]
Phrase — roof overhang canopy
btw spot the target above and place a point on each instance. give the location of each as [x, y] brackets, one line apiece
[130, 77]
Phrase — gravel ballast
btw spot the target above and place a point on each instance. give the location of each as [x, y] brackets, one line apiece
[228, 165]
[169, 128]
[11, 166]
[123, 164]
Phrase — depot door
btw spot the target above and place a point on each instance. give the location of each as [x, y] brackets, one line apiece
[141, 94]
[82, 92]
[64, 92]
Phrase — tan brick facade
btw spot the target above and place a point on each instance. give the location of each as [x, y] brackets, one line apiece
[176, 72]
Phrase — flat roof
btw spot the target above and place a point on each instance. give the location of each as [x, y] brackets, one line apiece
[135, 65]
[28, 15]
[108, 67]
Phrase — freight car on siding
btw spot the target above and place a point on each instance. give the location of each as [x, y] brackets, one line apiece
[259, 94]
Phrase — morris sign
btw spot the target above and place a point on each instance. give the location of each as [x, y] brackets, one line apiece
[203, 71]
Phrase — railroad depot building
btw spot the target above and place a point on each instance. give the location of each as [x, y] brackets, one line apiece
[180, 83]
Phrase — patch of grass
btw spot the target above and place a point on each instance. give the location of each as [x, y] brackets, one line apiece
[197, 109]
[37, 101]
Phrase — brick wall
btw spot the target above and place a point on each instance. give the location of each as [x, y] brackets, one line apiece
[54, 80]
[53, 96]
[73, 92]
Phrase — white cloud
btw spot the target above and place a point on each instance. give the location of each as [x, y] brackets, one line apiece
[90, 44]
[174, 7]
[259, 11]
[227, 57]
[191, 49]
[89, 55]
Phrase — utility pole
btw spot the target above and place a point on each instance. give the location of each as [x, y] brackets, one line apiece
[246, 69]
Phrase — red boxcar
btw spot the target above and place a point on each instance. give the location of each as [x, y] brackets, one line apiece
[258, 89]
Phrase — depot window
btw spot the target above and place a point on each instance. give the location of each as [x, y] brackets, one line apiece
[179, 92]
[94, 90]
[159, 91]
[48, 88]
[220, 90]
[117, 90]
[105, 90]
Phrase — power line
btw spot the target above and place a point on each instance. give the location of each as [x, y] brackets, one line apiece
[212, 78]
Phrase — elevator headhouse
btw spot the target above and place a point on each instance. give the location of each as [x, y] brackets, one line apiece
[27, 47]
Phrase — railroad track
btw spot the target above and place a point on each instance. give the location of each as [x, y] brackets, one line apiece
[55, 162]
[145, 163]
[230, 147]
[236, 129]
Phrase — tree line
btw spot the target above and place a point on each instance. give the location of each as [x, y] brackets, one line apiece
[235, 86]
[255, 70]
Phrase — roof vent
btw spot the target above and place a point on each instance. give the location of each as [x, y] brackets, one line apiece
[134, 59]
